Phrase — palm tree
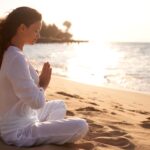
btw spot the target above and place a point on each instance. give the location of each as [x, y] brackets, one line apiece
[67, 24]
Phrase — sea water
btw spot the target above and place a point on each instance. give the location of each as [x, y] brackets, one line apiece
[121, 65]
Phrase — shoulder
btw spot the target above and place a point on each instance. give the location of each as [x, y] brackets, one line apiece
[13, 53]
[13, 56]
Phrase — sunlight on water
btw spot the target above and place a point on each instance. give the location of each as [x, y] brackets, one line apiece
[86, 62]
[90, 63]
[120, 65]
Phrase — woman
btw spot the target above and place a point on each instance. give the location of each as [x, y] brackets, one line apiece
[26, 119]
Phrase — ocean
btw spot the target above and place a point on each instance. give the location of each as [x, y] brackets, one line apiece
[116, 65]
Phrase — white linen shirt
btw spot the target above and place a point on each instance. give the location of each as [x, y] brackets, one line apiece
[20, 94]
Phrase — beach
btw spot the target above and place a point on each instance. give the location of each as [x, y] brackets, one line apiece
[117, 119]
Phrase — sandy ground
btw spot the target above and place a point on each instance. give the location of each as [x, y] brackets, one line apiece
[117, 119]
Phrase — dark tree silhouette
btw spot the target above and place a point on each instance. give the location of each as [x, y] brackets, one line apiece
[67, 24]
[52, 32]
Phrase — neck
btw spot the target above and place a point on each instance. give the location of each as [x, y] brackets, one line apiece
[17, 42]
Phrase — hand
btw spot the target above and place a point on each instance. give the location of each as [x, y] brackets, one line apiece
[45, 76]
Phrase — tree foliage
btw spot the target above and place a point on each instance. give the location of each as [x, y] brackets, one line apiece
[68, 25]
[51, 31]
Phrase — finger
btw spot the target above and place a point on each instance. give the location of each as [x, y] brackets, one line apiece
[49, 71]
[48, 65]
[45, 66]
[45, 69]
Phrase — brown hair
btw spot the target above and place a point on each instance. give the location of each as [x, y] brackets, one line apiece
[9, 25]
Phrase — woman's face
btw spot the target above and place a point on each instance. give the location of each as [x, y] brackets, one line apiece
[32, 33]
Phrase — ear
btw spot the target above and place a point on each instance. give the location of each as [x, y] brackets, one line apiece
[22, 28]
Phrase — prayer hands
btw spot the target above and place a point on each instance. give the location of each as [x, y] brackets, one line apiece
[45, 76]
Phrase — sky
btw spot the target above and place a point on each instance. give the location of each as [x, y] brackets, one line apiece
[99, 20]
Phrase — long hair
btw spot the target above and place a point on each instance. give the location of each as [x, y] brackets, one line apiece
[9, 25]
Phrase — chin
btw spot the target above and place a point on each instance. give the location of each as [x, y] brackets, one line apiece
[31, 43]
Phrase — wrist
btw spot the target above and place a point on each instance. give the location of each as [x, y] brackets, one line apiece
[43, 87]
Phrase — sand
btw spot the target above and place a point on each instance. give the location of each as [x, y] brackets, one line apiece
[117, 119]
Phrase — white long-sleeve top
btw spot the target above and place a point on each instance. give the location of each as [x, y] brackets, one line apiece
[20, 95]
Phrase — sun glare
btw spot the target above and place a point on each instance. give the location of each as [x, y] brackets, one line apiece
[91, 62]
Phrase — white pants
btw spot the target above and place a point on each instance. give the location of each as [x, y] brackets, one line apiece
[52, 128]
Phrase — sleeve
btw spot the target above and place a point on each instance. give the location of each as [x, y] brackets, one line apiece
[23, 85]
[34, 74]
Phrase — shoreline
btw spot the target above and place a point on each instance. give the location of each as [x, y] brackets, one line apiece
[62, 84]
[47, 40]
[104, 86]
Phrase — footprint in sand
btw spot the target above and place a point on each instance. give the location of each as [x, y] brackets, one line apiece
[140, 112]
[94, 130]
[103, 133]
[113, 113]
[121, 122]
[148, 118]
[87, 109]
[92, 109]
[114, 127]
[70, 113]
[110, 135]
[114, 133]
[96, 126]
[145, 124]
[93, 103]
[119, 108]
[69, 95]
[121, 142]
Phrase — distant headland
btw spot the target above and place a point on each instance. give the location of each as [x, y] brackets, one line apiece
[52, 34]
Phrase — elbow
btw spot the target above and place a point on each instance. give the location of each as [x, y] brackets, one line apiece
[38, 101]
[35, 98]
[38, 104]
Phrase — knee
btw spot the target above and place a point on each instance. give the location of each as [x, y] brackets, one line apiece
[83, 127]
[57, 104]
[60, 104]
